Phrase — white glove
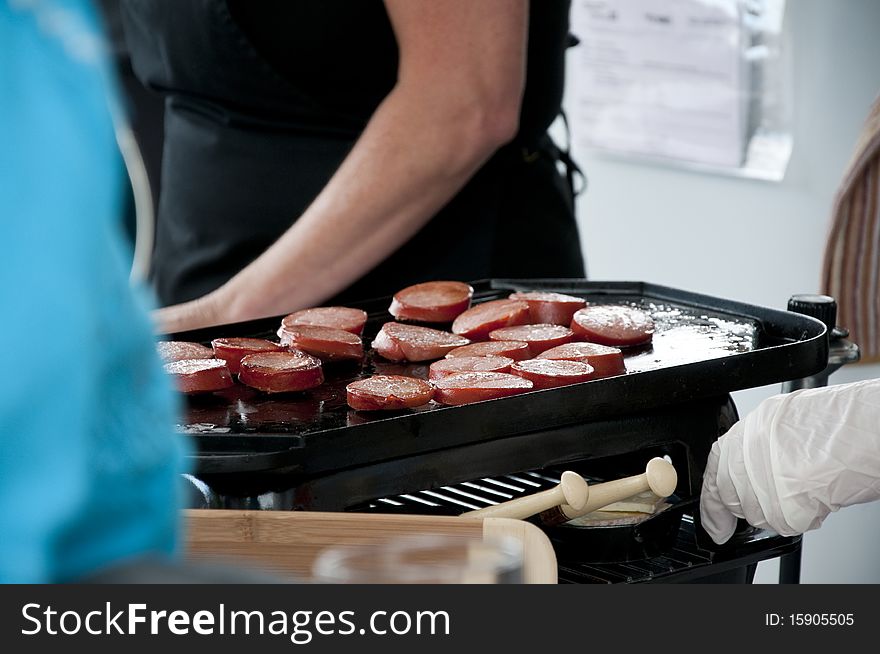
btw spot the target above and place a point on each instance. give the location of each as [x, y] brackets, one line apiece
[795, 459]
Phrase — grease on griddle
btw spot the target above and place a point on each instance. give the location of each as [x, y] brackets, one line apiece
[682, 337]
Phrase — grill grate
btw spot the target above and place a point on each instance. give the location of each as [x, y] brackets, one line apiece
[467, 496]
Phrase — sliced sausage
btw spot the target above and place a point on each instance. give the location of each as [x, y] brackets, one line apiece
[547, 373]
[606, 361]
[538, 337]
[431, 301]
[467, 387]
[326, 343]
[233, 350]
[446, 367]
[516, 350]
[399, 342]
[552, 308]
[388, 392]
[478, 321]
[614, 325]
[179, 350]
[199, 375]
[281, 372]
[345, 318]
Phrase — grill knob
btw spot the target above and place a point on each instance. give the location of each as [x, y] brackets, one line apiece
[822, 307]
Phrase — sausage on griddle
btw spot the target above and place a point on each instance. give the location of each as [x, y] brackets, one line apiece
[399, 342]
[614, 325]
[552, 308]
[233, 350]
[431, 302]
[199, 375]
[388, 392]
[516, 350]
[539, 337]
[344, 318]
[467, 387]
[281, 372]
[179, 350]
[606, 360]
[479, 320]
[450, 366]
[326, 343]
[547, 373]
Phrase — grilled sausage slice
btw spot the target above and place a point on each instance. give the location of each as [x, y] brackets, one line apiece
[467, 387]
[179, 350]
[606, 360]
[614, 325]
[399, 342]
[539, 337]
[547, 373]
[199, 375]
[233, 350]
[450, 366]
[552, 308]
[281, 372]
[326, 343]
[388, 392]
[431, 302]
[516, 350]
[479, 320]
[345, 318]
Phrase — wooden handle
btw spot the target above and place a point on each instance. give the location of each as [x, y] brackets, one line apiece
[572, 491]
[659, 477]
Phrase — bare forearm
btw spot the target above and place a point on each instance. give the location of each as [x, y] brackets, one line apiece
[404, 168]
[406, 165]
[456, 101]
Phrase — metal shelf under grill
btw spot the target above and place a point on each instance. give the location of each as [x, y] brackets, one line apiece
[687, 562]
[689, 559]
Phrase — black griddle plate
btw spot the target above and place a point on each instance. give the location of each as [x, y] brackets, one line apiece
[704, 347]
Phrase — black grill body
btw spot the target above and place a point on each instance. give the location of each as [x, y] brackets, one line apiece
[311, 452]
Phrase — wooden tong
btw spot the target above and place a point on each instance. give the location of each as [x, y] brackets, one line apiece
[659, 477]
[571, 491]
[572, 497]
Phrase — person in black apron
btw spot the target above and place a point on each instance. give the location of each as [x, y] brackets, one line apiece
[264, 101]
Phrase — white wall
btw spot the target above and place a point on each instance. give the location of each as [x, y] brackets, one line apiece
[754, 241]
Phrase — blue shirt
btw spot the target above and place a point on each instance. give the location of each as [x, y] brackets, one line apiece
[89, 465]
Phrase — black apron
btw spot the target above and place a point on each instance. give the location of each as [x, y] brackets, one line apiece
[264, 99]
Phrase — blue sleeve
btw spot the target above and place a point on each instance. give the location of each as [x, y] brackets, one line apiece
[89, 465]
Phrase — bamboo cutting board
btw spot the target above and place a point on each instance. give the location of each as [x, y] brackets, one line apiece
[287, 542]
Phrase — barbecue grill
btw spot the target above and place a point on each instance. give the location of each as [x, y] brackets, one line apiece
[311, 452]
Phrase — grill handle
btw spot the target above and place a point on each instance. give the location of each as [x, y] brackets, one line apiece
[659, 477]
[572, 490]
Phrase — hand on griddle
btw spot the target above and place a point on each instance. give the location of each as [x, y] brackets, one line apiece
[206, 311]
[795, 459]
